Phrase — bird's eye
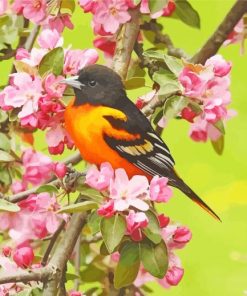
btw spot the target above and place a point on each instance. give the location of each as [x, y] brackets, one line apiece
[92, 83]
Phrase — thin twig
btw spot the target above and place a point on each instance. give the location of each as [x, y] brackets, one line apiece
[77, 262]
[213, 44]
[32, 37]
[52, 243]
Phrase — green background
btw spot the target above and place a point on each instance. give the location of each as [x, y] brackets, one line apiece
[215, 261]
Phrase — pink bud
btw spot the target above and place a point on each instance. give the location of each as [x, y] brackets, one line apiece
[107, 209]
[182, 235]
[75, 293]
[171, 6]
[163, 220]
[140, 103]
[188, 114]
[23, 257]
[174, 275]
[7, 251]
[60, 170]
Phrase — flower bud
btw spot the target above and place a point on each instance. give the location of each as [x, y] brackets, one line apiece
[60, 170]
[7, 251]
[23, 257]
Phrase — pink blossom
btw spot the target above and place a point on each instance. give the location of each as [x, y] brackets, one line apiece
[188, 114]
[60, 170]
[59, 22]
[182, 235]
[89, 5]
[135, 223]
[33, 58]
[237, 35]
[166, 11]
[100, 179]
[143, 100]
[194, 83]
[106, 210]
[126, 193]
[106, 44]
[18, 186]
[3, 6]
[221, 67]
[163, 220]
[32, 10]
[111, 13]
[56, 138]
[49, 39]
[38, 167]
[23, 257]
[24, 92]
[78, 59]
[75, 293]
[198, 131]
[143, 277]
[159, 191]
[53, 87]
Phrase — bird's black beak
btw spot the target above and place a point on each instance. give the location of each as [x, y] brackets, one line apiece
[73, 81]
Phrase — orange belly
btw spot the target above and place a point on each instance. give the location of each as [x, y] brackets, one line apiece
[86, 126]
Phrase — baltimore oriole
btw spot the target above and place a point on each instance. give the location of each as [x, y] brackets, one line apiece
[107, 127]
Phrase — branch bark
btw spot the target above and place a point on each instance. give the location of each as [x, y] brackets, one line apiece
[213, 44]
[125, 43]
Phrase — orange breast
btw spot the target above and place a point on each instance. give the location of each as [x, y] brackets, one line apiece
[87, 126]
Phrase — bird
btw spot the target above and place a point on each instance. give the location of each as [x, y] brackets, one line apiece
[106, 126]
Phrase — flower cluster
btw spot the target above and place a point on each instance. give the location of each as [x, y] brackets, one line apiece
[132, 198]
[36, 219]
[207, 88]
[37, 169]
[37, 98]
[40, 12]
[108, 15]
[128, 196]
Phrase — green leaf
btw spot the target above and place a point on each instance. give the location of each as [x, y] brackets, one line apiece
[174, 64]
[23, 67]
[103, 250]
[169, 88]
[79, 207]
[174, 105]
[154, 54]
[5, 176]
[90, 193]
[67, 6]
[134, 82]
[152, 231]
[163, 77]
[71, 276]
[3, 116]
[13, 114]
[52, 62]
[154, 258]
[47, 188]
[128, 265]
[6, 206]
[218, 145]
[136, 2]
[113, 230]
[220, 126]
[187, 14]
[94, 222]
[4, 142]
[157, 5]
[92, 273]
[5, 157]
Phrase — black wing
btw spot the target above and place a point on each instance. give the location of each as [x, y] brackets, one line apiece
[149, 153]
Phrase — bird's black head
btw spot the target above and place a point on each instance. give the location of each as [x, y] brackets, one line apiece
[97, 85]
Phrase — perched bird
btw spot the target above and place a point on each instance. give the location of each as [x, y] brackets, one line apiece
[107, 127]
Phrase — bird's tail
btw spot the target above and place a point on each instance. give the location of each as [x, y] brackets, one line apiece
[179, 183]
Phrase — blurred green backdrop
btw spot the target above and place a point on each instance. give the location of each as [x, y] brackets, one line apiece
[215, 261]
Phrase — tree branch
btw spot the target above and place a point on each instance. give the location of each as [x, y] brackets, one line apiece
[212, 45]
[125, 43]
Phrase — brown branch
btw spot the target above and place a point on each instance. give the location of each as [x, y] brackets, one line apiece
[158, 102]
[163, 38]
[62, 253]
[213, 44]
[32, 37]
[125, 43]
